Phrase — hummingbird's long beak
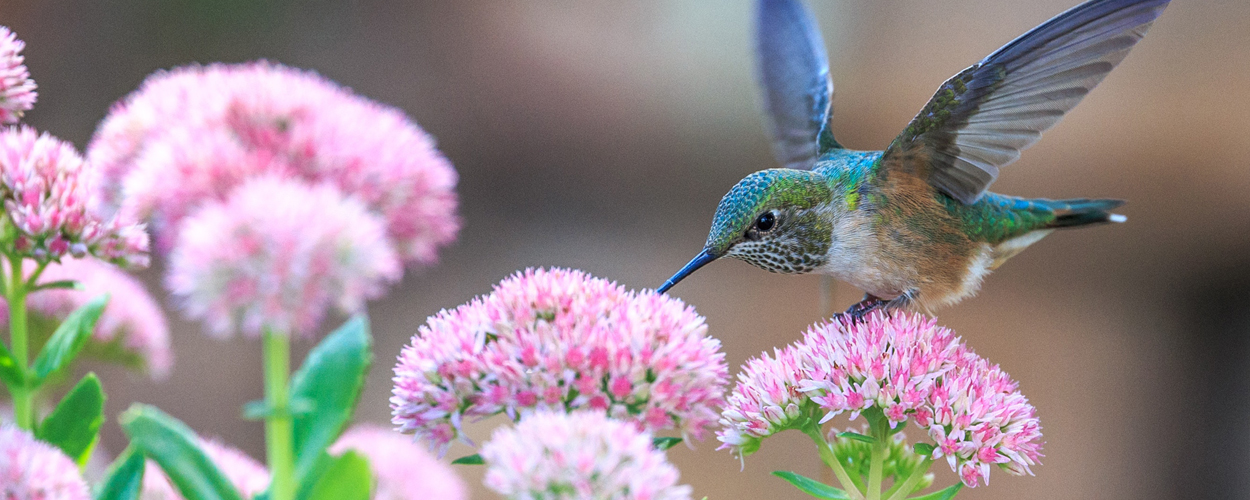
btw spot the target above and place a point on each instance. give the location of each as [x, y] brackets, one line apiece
[698, 261]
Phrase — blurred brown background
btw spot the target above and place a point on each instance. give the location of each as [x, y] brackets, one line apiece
[600, 135]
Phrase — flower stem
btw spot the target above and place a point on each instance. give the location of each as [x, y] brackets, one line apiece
[900, 491]
[876, 464]
[830, 459]
[279, 432]
[23, 396]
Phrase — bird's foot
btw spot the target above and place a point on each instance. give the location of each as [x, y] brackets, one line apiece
[859, 311]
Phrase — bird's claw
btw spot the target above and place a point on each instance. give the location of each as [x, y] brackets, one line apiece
[859, 311]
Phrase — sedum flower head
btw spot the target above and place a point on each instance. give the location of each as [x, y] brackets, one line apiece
[247, 475]
[277, 254]
[904, 366]
[582, 455]
[50, 197]
[132, 328]
[34, 470]
[17, 90]
[190, 135]
[402, 469]
[560, 339]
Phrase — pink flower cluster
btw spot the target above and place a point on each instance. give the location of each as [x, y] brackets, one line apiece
[132, 321]
[247, 475]
[402, 469]
[191, 135]
[560, 339]
[908, 368]
[277, 254]
[17, 90]
[50, 198]
[558, 456]
[33, 470]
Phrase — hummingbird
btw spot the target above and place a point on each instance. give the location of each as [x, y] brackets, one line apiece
[914, 225]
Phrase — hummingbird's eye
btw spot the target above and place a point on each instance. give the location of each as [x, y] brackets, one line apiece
[765, 222]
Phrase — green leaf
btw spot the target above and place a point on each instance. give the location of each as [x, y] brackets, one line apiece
[68, 339]
[474, 459]
[347, 478]
[260, 409]
[172, 445]
[331, 380]
[59, 285]
[124, 479]
[664, 443]
[923, 449]
[9, 372]
[857, 436]
[811, 486]
[74, 426]
[946, 494]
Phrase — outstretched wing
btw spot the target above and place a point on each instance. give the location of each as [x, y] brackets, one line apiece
[794, 71]
[982, 118]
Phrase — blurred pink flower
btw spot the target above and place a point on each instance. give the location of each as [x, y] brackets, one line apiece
[558, 456]
[189, 135]
[50, 197]
[403, 470]
[907, 367]
[564, 340]
[277, 254]
[33, 470]
[132, 321]
[17, 90]
[247, 475]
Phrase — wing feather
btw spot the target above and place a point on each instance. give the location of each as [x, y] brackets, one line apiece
[793, 70]
[982, 118]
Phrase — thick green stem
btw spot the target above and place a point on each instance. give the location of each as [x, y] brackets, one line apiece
[24, 396]
[830, 459]
[279, 433]
[900, 491]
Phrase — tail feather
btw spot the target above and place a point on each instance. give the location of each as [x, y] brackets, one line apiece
[1082, 212]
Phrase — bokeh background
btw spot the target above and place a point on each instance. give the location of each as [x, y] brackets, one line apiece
[601, 134]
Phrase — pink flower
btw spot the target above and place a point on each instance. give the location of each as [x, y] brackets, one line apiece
[557, 456]
[403, 470]
[560, 339]
[50, 198]
[17, 90]
[33, 470]
[189, 136]
[248, 476]
[766, 400]
[132, 327]
[277, 254]
[905, 366]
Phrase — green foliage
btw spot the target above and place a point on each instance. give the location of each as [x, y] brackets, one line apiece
[474, 459]
[124, 479]
[74, 425]
[173, 446]
[347, 477]
[945, 494]
[10, 373]
[331, 380]
[68, 339]
[857, 437]
[664, 443]
[854, 450]
[811, 486]
[58, 285]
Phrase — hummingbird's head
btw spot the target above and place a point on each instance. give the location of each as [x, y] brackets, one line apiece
[773, 219]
